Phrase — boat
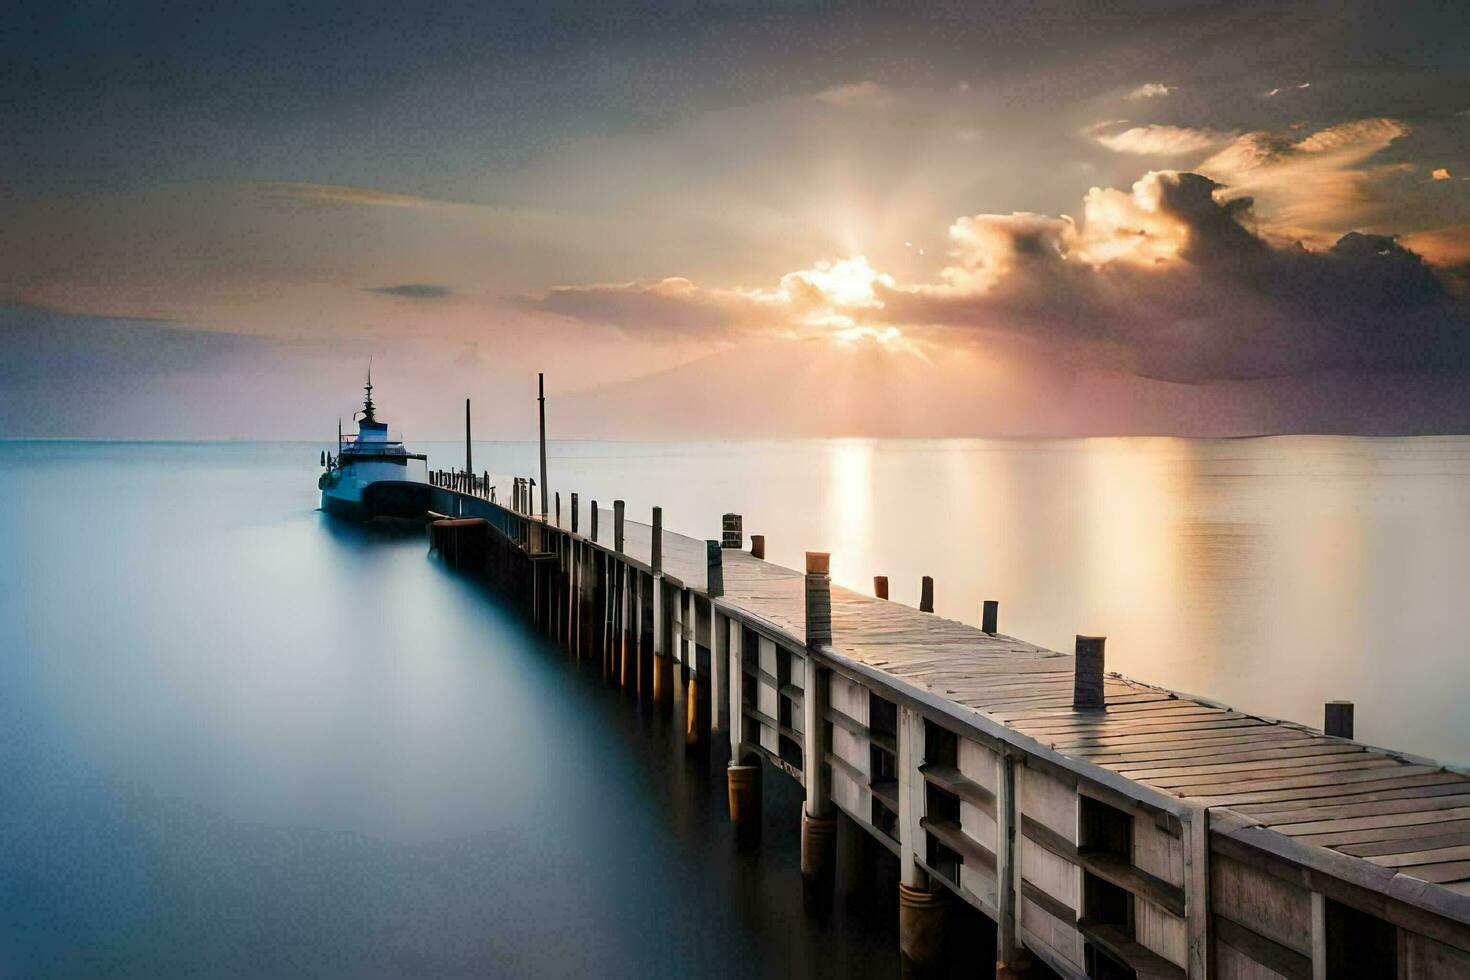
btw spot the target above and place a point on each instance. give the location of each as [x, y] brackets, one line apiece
[372, 473]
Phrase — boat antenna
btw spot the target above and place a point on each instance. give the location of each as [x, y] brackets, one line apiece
[367, 401]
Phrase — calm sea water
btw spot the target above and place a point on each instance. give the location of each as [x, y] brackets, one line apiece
[237, 737]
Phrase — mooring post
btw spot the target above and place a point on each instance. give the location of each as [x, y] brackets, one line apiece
[618, 526]
[1087, 687]
[1338, 719]
[880, 586]
[758, 546]
[989, 614]
[926, 595]
[592, 518]
[558, 508]
[818, 822]
[715, 576]
[576, 509]
[732, 532]
[469, 465]
[656, 546]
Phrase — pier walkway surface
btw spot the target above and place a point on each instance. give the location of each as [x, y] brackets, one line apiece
[1405, 815]
[1164, 835]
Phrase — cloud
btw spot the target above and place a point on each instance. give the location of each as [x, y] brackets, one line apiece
[1441, 173]
[1166, 281]
[831, 298]
[857, 95]
[1158, 140]
[1149, 90]
[412, 290]
[347, 194]
[1315, 188]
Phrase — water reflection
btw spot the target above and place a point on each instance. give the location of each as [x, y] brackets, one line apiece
[1274, 574]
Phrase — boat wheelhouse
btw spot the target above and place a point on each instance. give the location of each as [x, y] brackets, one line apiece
[372, 473]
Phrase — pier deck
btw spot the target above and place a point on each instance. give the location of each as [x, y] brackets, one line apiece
[1398, 814]
[1249, 846]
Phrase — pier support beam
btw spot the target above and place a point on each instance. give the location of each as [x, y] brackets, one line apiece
[818, 819]
[743, 775]
[921, 904]
[719, 670]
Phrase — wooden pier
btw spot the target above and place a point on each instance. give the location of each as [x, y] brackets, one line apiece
[1109, 828]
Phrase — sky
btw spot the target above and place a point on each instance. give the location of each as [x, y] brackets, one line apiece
[731, 220]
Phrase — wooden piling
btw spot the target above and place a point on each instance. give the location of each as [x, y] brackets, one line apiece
[618, 526]
[758, 546]
[880, 586]
[926, 595]
[732, 532]
[715, 576]
[989, 614]
[656, 546]
[1338, 719]
[576, 509]
[1087, 685]
[818, 599]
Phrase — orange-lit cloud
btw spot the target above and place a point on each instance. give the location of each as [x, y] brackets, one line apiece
[1440, 173]
[1166, 279]
[1311, 189]
[1149, 90]
[1165, 141]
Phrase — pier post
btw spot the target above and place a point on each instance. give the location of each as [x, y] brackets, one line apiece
[618, 526]
[592, 520]
[743, 774]
[715, 571]
[656, 546]
[758, 546]
[880, 586]
[719, 671]
[1337, 719]
[818, 821]
[1011, 958]
[732, 532]
[558, 508]
[922, 906]
[1087, 686]
[632, 628]
[663, 664]
[926, 595]
[575, 511]
[989, 614]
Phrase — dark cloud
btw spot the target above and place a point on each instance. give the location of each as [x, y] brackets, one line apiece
[1226, 305]
[413, 290]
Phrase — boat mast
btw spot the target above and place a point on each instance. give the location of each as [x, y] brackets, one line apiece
[367, 402]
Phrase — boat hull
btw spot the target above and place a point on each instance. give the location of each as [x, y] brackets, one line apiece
[401, 499]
